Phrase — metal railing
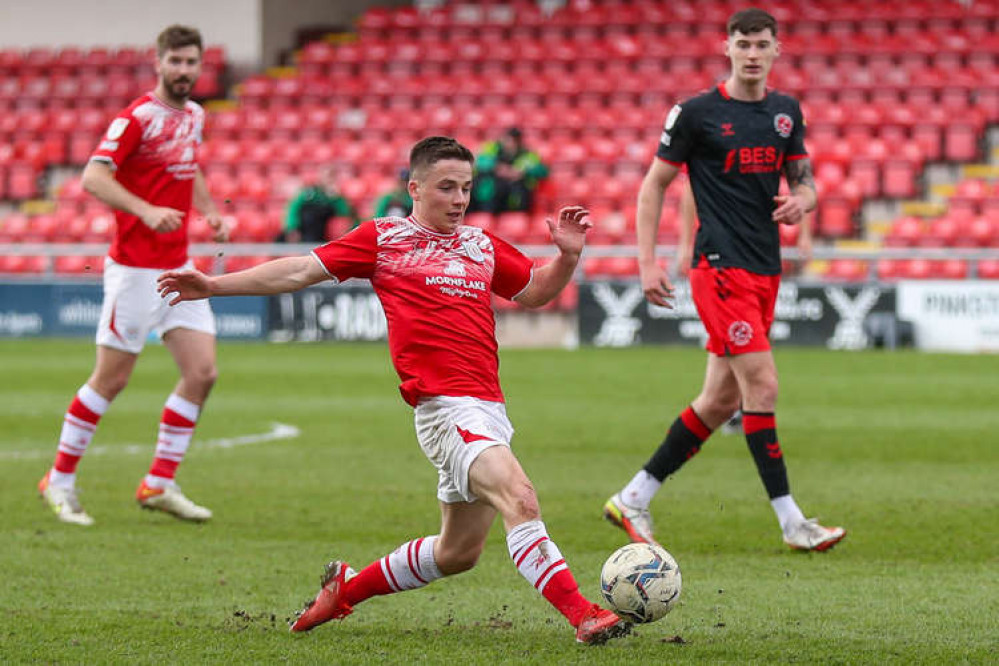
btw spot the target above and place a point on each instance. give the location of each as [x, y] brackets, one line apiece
[221, 252]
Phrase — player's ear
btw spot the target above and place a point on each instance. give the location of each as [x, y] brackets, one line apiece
[414, 189]
[776, 48]
[725, 48]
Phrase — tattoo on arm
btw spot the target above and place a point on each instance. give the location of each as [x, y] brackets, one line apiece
[799, 172]
[799, 175]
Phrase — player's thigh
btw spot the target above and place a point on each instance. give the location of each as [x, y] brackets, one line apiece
[130, 307]
[497, 477]
[453, 432]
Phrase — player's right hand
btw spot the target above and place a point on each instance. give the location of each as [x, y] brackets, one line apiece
[183, 286]
[162, 219]
[656, 285]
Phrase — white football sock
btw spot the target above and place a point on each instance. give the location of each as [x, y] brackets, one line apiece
[787, 511]
[640, 490]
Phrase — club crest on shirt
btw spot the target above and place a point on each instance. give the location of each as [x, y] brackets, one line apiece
[473, 251]
[783, 124]
[454, 268]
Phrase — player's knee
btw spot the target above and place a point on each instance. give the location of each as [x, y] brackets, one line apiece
[764, 393]
[717, 407]
[108, 386]
[203, 376]
[525, 502]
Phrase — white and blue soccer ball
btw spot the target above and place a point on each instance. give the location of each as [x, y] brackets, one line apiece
[641, 582]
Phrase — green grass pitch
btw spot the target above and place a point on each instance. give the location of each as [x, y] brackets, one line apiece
[900, 448]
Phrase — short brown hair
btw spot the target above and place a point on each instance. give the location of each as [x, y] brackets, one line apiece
[177, 37]
[431, 150]
[751, 20]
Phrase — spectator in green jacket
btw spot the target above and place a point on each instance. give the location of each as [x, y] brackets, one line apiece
[310, 210]
[506, 174]
[396, 202]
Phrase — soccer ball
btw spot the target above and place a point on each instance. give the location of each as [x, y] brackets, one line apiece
[641, 582]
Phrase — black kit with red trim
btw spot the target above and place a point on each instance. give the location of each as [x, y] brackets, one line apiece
[735, 152]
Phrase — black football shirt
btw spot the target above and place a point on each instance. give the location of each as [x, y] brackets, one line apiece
[735, 152]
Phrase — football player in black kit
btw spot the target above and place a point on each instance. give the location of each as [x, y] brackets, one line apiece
[736, 141]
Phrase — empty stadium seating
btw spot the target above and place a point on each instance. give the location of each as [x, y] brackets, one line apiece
[886, 87]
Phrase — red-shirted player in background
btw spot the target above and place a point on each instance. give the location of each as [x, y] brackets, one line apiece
[433, 276]
[146, 168]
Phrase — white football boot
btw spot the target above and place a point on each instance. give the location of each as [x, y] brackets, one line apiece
[171, 500]
[64, 502]
[636, 522]
[809, 535]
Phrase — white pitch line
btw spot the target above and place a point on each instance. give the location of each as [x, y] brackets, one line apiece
[277, 431]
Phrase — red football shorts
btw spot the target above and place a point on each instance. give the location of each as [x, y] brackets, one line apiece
[736, 307]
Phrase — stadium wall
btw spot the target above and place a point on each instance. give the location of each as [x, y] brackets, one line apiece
[932, 315]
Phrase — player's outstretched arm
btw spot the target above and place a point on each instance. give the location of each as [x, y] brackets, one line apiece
[655, 284]
[273, 277]
[569, 236]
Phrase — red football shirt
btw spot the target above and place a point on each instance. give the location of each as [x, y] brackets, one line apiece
[435, 290]
[153, 148]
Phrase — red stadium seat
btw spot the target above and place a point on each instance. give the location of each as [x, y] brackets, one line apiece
[899, 179]
[930, 139]
[943, 232]
[789, 234]
[917, 269]
[981, 232]
[988, 269]
[952, 269]
[889, 270]
[905, 232]
[22, 181]
[72, 264]
[23, 264]
[960, 142]
[835, 218]
[233, 264]
[847, 270]
[514, 227]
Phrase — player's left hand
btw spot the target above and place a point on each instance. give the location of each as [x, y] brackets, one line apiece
[790, 209]
[569, 232]
[220, 226]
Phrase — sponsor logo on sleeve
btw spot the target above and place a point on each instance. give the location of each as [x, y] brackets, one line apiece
[674, 113]
[117, 128]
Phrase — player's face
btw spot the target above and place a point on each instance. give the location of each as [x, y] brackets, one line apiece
[751, 55]
[178, 70]
[441, 195]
